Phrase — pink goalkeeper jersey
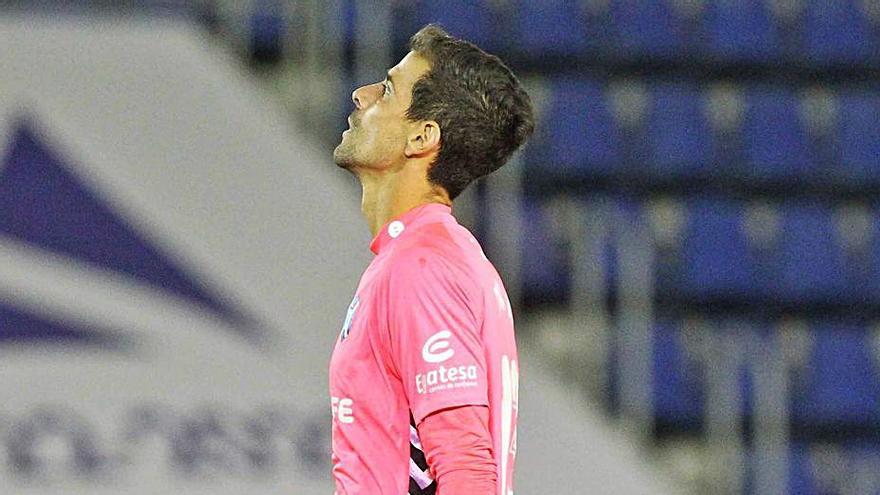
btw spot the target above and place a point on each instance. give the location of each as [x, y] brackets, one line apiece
[429, 328]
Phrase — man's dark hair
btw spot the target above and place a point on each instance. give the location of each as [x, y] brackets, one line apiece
[482, 109]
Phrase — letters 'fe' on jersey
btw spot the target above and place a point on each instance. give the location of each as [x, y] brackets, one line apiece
[429, 328]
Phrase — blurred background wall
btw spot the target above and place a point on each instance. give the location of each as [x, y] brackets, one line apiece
[690, 240]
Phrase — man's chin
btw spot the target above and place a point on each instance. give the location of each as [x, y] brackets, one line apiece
[342, 159]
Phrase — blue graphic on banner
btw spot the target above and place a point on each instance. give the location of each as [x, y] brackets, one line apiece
[20, 327]
[42, 203]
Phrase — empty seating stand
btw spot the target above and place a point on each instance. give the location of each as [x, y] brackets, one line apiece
[679, 135]
[775, 140]
[839, 32]
[840, 385]
[585, 133]
[858, 136]
[579, 137]
[476, 21]
[834, 389]
[739, 31]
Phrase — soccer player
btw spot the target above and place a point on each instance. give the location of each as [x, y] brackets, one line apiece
[424, 375]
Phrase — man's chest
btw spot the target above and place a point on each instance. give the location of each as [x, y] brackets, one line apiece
[360, 316]
[362, 386]
[358, 354]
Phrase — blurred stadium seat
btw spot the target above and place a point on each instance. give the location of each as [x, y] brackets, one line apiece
[740, 31]
[859, 136]
[720, 263]
[544, 272]
[841, 384]
[646, 28]
[476, 21]
[560, 27]
[678, 388]
[579, 135]
[810, 257]
[838, 32]
[775, 141]
[679, 136]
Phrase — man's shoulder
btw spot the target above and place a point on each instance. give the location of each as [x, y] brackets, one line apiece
[431, 252]
[436, 239]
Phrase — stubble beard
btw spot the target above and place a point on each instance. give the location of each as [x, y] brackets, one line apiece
[344, 155]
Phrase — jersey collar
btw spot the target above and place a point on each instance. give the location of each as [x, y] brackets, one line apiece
[407, 221]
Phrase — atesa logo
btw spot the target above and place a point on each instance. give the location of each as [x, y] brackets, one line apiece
[436, 348]
[446, 378]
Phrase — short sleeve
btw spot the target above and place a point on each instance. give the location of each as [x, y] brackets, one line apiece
[434, 333]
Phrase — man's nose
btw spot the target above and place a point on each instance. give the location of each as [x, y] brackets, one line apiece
[363, 96]
[356, 97]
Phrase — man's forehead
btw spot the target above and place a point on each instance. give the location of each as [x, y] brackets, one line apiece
[410, 67]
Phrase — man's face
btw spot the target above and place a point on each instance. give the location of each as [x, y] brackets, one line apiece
[378, 127]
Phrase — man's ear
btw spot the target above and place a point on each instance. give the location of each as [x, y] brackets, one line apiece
[423, 139]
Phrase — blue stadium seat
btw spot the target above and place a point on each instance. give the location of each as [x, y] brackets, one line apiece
[544, 272]
[679, 136]
[646, 27]
[838, 32]
[840, 381]
[473, 20]
[872, 279]
[775, 140]
[677, 388]
[810, 260]
[578, 135]
[857, 242]
[679, 383]
[740, 31]
[801, 478]
[557, 27]
[717, 259]
[859, 137]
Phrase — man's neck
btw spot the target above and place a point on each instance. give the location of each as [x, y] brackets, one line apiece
[387, 196]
